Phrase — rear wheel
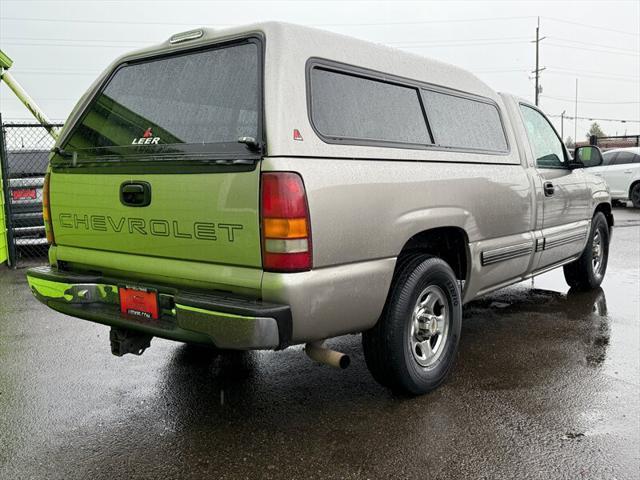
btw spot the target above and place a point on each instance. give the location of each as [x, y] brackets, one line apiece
[587, 272]
[412, 347]
[634, 195]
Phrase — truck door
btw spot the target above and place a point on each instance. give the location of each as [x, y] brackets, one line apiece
[563, 193]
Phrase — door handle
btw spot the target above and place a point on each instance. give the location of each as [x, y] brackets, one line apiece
[135, 194]
[628, 171]
[548, 189]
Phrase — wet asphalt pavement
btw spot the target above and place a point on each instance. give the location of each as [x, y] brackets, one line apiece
[546, 385]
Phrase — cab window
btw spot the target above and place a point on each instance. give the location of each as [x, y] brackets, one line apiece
[546, 145]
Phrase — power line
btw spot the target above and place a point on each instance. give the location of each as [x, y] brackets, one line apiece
[593, 50]
[76, 40]
[399, 42]
[411, 42]
[372, 24]
[594, 44]
[598, 77]
[521, 70]
[92, 45]
[109, 44]
[53, 72]
[424, 22]
[471, 44]
[418, 22]
[591, 101]
[592, 72]
[107, 22]
[596, 119]
[571, 22]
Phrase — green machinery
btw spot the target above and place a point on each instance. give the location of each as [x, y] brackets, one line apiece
[5, 65]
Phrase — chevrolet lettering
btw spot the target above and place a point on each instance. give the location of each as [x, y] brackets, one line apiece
[155, 227]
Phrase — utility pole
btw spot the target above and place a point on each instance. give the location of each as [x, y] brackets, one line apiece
[575, 116]
[538, 69]
[562, 125]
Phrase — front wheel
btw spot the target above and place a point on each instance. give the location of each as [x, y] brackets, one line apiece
[587, 272]
[635, 195]
[412, 347]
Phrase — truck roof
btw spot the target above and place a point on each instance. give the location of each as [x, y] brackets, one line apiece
[300, 40]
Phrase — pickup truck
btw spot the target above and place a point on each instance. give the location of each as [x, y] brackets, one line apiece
[275, 185]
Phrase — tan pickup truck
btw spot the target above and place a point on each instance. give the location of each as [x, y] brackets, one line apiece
[273, 185]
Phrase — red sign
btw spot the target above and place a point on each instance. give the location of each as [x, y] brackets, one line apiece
[24, 194]
[138, 303]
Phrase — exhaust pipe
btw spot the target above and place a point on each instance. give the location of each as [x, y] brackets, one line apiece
[318, 352]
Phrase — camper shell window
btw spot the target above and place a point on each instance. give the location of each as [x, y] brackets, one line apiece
[346, 106]
[351, 105]
[462, 122]
[208, 96]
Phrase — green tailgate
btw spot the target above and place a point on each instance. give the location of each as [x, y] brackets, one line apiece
[159, 179]
[203, 217]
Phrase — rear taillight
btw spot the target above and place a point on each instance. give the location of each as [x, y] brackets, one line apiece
[286, 229]
[46, 211]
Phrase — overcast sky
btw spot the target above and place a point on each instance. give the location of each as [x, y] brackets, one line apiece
[60, 46]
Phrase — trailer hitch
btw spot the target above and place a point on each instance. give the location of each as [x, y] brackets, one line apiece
[128, 341]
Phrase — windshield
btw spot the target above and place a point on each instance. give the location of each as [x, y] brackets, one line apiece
[203, 97]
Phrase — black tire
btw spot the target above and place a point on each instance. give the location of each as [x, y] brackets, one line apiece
[584, 273]
[634, 195]
[388, 349]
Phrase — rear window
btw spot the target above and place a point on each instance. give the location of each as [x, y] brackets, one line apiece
[608, 158]
[27, 163]
[345, 106]
[461, 122]
[624, 158]
[203, 97]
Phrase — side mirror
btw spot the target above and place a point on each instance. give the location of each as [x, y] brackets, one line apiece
[585, 157]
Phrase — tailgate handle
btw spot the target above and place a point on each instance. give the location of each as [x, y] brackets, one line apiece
[135, 194]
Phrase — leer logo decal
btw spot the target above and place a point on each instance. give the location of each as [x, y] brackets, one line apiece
[146, 139]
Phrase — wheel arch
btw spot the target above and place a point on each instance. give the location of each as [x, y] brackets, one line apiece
[450, 243]
[605, 208]
[632, 186]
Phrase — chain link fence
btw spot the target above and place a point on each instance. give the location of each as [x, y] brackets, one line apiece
[25, 156]
[615, 141]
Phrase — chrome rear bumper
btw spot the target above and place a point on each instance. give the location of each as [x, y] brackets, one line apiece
[225, 320]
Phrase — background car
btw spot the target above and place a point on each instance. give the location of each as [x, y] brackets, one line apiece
[621, 170]
[26, 178]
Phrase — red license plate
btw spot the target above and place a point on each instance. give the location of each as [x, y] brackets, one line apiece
[139, 303]
[24, 194]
